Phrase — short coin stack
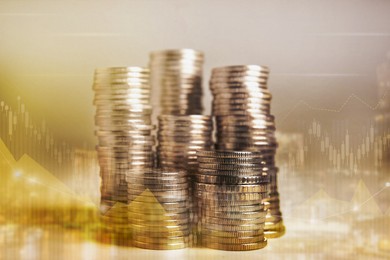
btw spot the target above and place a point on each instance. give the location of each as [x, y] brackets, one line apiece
[159, 211]
[123, 120]
[177, 80]
[230, 187]
[242, 105]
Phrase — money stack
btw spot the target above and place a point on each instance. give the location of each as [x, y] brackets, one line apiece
[179, 138]
[241, 105]
[274, 227]
[177, 79]
[230, 187]
[123, 120]
[159, 208]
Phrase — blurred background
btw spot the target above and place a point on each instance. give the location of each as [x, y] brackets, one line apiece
[330, 81]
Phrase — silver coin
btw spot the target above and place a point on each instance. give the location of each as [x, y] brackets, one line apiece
[233, 172]
[239, 87]
[158, 187]
[185, 53]
[222, 111]
[240, 68]
[228, 221]
[254, 196]
[240, 73]
[230, 180]
[237, 166]
[233, 228]
[231, 188]
[228, 154]
[232, 79]
[255, 160]
[156, 181]
[236, 215]
[235, 208]
[113, 70]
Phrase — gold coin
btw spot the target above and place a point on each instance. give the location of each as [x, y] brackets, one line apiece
[164, 246]
[240, 247]
[232, 240]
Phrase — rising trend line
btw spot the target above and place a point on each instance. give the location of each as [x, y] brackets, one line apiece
[357, 206]
[345, 103]
[326, 218]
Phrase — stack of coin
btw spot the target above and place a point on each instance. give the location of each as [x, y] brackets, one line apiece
[176, 77]
[123, 120]
[230, 187]
[179, 138]
[242, 104]
[274, 222]
[159, 208]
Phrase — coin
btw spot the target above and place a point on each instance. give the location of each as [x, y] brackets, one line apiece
[244, 172]
[124, 132]
[163, 240]
[243, 121]
[176, 73]
[232, 240]
[154, 222]
[159, 187]
[232, 228]
[205, 219]
[223, 234]
[160, 194]
[249, 119]
[187, 118]
[179, 206]
[240, 207]
[233, 215]
[239, 247]
[231, 188]
[167, 233]
[219, 108]
[228, 154]
[237, 196]
[234, 179]
[213, 160]
[218, 166]
[158, 215]
[241, 68]
[163, 246]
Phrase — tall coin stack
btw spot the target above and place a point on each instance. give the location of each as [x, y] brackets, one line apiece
[179, 138]
[123, 120]
[159, 208]
[241, 105]
[230, 187]
[177, 80]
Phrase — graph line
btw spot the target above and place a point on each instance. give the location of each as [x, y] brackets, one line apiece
[338, 110]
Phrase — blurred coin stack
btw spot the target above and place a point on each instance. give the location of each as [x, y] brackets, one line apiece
[241, 105]
[159, 208]
[230, 187]
[123, 120]
[176, 77]
[179, 138]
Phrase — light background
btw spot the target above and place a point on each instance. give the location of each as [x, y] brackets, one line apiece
[323, 57]
[318, 51]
